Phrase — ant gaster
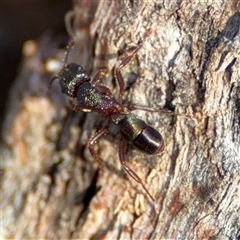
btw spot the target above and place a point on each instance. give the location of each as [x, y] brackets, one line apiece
[91, 95]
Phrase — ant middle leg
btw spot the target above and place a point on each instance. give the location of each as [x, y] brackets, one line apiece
[95, 138]
[122, 149]
[156, 110]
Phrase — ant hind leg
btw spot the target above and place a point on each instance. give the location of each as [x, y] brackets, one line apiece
[122, 149]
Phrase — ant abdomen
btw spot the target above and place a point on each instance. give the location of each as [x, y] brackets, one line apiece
[143, 137]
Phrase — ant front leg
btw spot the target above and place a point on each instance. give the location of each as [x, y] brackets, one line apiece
[78, 108]
[122, 149]
[96, 82]
[119, 77]
[95, 138]
[99, 75]
[124, 62]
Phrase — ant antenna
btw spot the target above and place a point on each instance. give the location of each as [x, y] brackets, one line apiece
[69, 17]
[69, 49]
[65, 61]
[145, 37]
[51, 81]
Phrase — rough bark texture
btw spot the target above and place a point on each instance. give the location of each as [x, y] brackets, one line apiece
[52, 188]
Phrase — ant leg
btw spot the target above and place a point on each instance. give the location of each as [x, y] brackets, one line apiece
[99, 75]
[119, 77]
[122, 149]
[124, 62]
[95, 138]
[78, 108]
[96, 82]
[148, 109]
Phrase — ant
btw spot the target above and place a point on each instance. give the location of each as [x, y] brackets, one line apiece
[91, 95]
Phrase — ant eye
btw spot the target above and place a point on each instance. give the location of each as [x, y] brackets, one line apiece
[75, 69]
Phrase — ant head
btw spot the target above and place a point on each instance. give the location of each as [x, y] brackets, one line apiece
[71, 77]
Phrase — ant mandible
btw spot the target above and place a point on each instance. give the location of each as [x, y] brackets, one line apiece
[91, 95]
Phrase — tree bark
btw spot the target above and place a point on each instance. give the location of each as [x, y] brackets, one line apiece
[52, 188]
